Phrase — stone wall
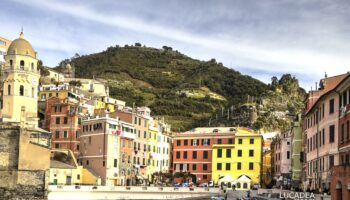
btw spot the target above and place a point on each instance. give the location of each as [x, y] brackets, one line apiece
[14, 183]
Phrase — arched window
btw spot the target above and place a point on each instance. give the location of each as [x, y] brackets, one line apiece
[238, 185]
[21, 90]
[11, 63]
[21, 64]
[9, 89]
[245, 185]
[33, 92]
[32, 66]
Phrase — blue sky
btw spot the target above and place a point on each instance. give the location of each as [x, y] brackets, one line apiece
[262, 38]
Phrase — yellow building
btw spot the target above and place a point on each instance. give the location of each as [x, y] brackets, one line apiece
[266, 172]
[152, 151]
[238, 161]
[47, 91]
[20, 80]
[64, 170]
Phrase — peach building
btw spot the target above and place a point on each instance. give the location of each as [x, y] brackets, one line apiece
[321, 134]
[106, 145]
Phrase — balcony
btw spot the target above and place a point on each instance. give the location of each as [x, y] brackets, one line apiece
[128, 135]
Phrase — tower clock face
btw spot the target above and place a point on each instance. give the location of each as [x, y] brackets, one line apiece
[34, 81]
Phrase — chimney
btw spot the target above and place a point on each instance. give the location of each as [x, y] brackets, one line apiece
[316, 86]
[325, 75]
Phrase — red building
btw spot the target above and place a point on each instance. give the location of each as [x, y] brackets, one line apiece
[340, 186]
[63, 121]
[192, 151]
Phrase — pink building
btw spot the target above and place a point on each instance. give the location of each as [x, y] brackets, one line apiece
[321, 135]
[282, 159]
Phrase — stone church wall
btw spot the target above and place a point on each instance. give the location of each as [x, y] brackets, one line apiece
[14, 183]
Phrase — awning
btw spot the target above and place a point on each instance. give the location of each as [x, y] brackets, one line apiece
[243, 179]
[226, 179]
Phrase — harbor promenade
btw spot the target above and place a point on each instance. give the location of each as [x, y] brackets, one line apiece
[132, 192]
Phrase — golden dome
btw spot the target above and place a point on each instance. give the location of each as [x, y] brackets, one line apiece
[21, 46]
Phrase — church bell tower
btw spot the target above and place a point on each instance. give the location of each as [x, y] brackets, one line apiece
[20, 80]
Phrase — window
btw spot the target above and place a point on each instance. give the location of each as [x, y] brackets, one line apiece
[323, 137]
[206, 141]
[331, 133]
[65, 134]
[288, 154]
[57, 146]
[219, 166]
[194, 142]
[219, 141]
[342, 133]
[230, 141]
[194, 154]
[65, 120]
[178, 142]
[251, 166]
[58, 119]
[139, 121]
[347, 130]
[21, 90]
[145, 134]
[185, 154]
[89, 139]
[185, 142]
[219, 153]
[87, 162]
[240, 141]
[239, 166]
[103, 163]
[205, 177]
[11, 63]
[228, 166]
[57, 134]
[331, 106]
[32, 66]
[228, 153]
[239, 153]
[331, 161]
[205, 154]
[78, 176]
[78, 147]
[205, 167]
[21, 64]
[9, 89]
[251, 141]
[33, 92]
[245, 185]
[194, 167]
[251, 153]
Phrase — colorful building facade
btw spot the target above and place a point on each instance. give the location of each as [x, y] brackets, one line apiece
[321, 135]
[282, 159]
[340, 184]
[237, 158]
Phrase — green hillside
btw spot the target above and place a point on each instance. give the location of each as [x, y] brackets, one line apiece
[187, 92]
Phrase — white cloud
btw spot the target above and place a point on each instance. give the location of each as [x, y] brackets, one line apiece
[273, 56]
